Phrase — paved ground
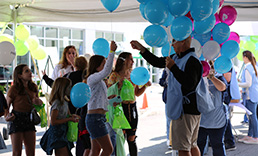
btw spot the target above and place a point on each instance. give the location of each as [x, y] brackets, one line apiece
[151, 132]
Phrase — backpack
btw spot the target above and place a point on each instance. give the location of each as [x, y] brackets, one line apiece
[203, 98]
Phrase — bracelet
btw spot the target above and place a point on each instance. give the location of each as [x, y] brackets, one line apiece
[146, 86]
[111, 51]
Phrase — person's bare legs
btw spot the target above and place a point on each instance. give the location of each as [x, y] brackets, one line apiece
[86, 152]
[62, 151]
[104, 143]
[29, 139]
[16, 139]
[184, 153]
[195, 151]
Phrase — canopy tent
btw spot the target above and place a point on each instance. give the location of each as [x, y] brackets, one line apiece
[93, 11]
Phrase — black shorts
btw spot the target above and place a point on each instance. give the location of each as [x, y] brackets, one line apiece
[21, 123]
[131, 115]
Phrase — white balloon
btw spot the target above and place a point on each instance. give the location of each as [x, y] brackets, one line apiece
[7, 53]
[197, 46]
[210, 50]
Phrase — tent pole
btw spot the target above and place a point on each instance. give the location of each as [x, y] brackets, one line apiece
[14, 11]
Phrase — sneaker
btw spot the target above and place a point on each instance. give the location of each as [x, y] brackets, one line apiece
[251, 141]
[168, 144]
[230, 147]
[244, 139]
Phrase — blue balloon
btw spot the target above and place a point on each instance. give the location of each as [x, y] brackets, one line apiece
[141, 8]
[201, 9]
[110, 5]
[165, 50]
[202, 38]
[222, 64]
[215, 6]
[220, 32]
[230, 49]
[156, 12]
[101, 47]
[155, 36]
[169, 20]
[181, 28]
[80, 94]
[179, 8]
[143, 1]
[140, 76]
[205, 25]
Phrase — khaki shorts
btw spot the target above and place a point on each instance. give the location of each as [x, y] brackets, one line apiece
[185, 132]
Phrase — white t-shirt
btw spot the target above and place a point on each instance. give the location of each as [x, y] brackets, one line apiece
[60, 72]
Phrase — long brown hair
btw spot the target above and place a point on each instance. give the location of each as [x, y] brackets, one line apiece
[17, 82]
[251, 58]
[121, 60]
[95, 62]
[58, 89]
[63, 61]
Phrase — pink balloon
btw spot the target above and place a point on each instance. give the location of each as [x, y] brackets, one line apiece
[217, 18]
[234, 36]
[227, 14]
[206, 68]
[221, 2]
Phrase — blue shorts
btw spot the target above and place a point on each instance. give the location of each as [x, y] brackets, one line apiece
[96, 126]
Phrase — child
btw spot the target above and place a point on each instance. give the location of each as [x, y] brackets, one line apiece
[55, 136]
[97, 106]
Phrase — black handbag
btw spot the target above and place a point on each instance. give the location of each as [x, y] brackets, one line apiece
[34, 117]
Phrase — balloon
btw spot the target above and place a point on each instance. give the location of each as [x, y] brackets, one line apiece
[249, 45]
[7, 53]
[210, 50]
[155, 36]
[181, 28]
[220, 32]
[179, 8]
[201, 58]
[39, 53]
[197, 46]
[110, 5]
[228, 14]
[33, 42]
[127, 91]
[156, 12]
[222, 64]
[141, 8]
[140, 76]
[234, 36]
[206, 68]
[22, 32]
[221, 2]
[201, 9]
[165, 50]
[6, 37]
[22, 48]
[169, 20]
[189, 16]
[230, 49]
[254, 39]
[202, 38]
[204, 26]
[143, 1]
[215, 6]
[217, 18]
[101, 47]
[80, 94]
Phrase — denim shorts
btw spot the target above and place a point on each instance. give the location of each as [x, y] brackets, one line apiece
[96, 126]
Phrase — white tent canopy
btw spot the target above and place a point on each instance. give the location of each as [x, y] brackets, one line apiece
[93, 11]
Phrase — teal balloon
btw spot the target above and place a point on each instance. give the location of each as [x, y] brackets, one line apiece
[169, 20]
[204, 26]
[127, 91]
[140, 76]
[201, 9]
[165, 50]
[220, 32]
[101, 47]
[215, 6]
[222, 64]
[156, 12]
[202, 38]
[155, 36]
[179, 8]
[80, 94]
[110, 5]
[143, 1]
[141, 8]
[230, 49]
[181, 28]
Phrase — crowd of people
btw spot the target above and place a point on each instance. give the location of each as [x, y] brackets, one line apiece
[188, 130]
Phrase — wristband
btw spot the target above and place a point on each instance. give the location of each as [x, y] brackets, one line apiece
[111, 51]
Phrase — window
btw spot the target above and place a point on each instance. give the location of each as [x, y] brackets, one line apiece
[51, 43]
[37, 30]
[109, 36]
[77, 34]
[51, 32]
[64, 33]
[79, 46]
[119, 37]
[99, 34]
